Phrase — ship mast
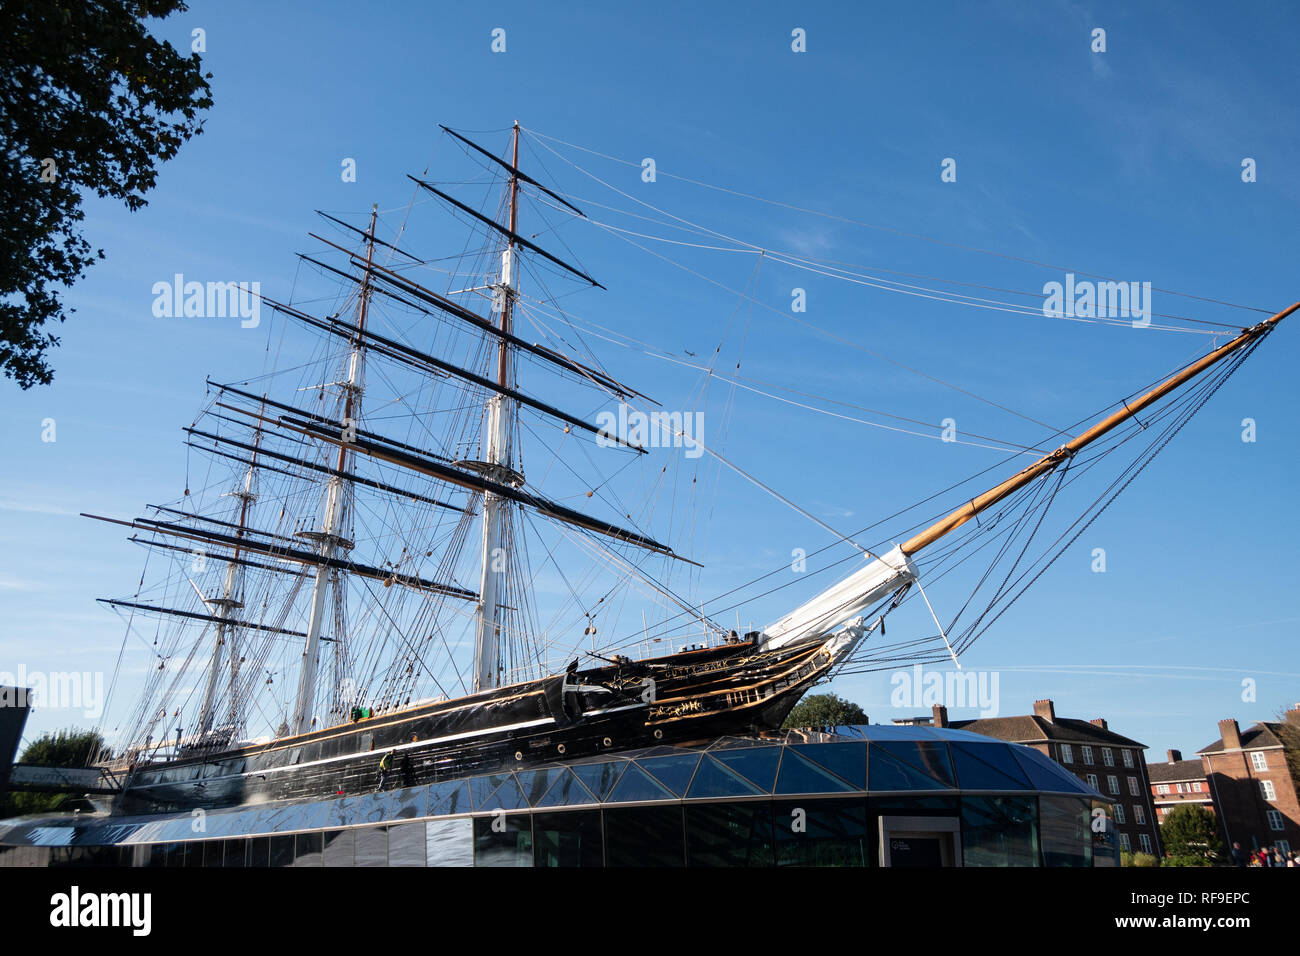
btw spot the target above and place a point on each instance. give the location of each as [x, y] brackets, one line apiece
[500, 415]
[223, 606]
[329, 541]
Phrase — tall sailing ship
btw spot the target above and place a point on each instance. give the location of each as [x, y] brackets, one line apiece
[355, 532]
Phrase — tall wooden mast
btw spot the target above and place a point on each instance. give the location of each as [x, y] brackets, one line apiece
[496, 461]
[329, 540]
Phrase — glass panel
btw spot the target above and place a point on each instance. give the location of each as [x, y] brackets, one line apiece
[673, 771]
[636, 784]
[890, 773]
[1065, 831]
[482, 788]
[449, 797]
[644, 836]
[535, 783]
[449, 842]
[406, 845]
[803, 776]
[757, 764]
[729, 834]
[340, 848]
[988, 767]
[371, 846]
[507, 797]
[712, 779]
[599, 777]
[925, 755]
[501, 840]
[259, 851]
[282, 850]
[307, 850]
[999, 831]
[566, 790]
[1046, 774]
[846, 760]
[821, 832]
[568, 839]
[235, 853]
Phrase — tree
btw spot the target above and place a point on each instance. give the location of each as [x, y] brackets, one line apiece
[1191, 837]
[824, 710]
[89, 101]
[64, 748]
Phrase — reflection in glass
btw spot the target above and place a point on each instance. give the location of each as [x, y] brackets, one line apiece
[729, 834]
[821, 832]
[568, 839]
[503, 840]
[999, 831]
[644, 836]
[339, 848]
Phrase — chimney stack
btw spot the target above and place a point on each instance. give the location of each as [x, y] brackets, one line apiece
[1175, 756]
[940, 718]
[1099, 722]
[1293, 716]
[1230, 733]
[1045, 710]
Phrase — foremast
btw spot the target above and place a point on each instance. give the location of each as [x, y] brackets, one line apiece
[329, 541]
[886, 574]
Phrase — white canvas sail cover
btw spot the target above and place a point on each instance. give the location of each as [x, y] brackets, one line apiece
[845, 600]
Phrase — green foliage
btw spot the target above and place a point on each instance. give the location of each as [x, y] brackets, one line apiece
[89, 102]
[64, 748]
[1190, 833]
[824, 710]
[1137, 859]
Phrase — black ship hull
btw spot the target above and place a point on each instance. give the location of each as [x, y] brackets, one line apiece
[693, 695]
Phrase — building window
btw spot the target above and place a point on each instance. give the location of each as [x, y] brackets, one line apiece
[1284, 846]
[1112, 781]
[1119, 813]
[1087, 755]
[1196, 788]
[1259, 760]
[1128, 757]
[1092, 781]
[1275, 820]
[1067, 753]
[1123, 842]
[1267, 787]
[1139, 813]
[1182, 788]
[1162, 788]
[1107, 757]
[1145, 841]
[1133, 786]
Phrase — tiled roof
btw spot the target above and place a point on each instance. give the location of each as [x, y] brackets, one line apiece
[1257, 737]
[1030, 728]
[1176, 772]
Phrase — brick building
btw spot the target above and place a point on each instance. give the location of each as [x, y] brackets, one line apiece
[1179, 782]
[1254, 776]
[1109, 762]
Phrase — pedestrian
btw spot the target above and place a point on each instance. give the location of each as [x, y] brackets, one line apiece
[1238, 858]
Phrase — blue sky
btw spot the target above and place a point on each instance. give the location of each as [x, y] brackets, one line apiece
[1126, 163]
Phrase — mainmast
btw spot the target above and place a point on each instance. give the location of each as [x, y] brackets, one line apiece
[328, 539]
[501, 410]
